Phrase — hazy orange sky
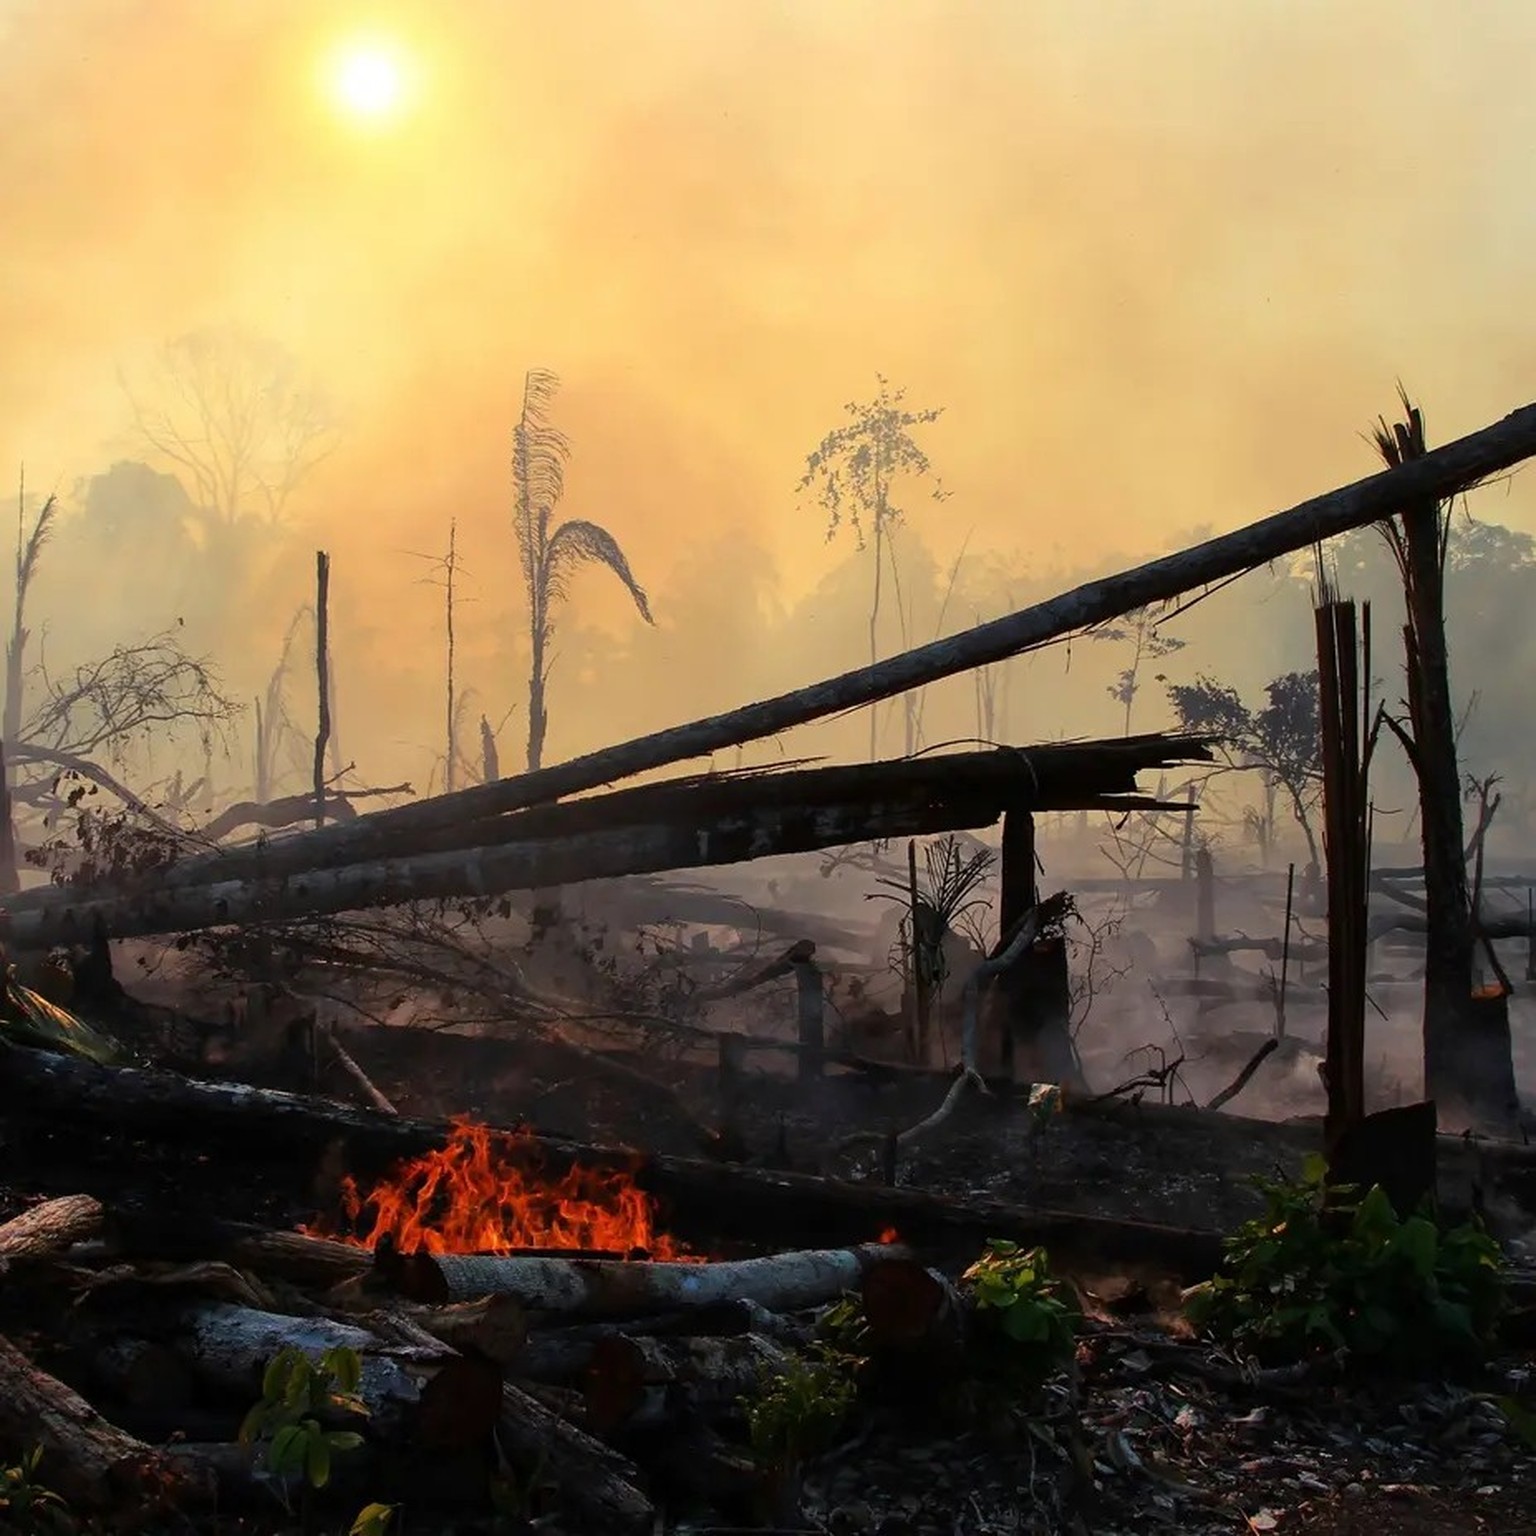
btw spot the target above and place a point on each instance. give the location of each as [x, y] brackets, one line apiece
[1161, 264]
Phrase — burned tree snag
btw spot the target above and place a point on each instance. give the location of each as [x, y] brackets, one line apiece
[1346, 840]
[810, 1006]
[1017, 895]
[322, 677]
[1457, 1054]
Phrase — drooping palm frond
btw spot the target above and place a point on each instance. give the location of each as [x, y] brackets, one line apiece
[576, 542]
[539, 452]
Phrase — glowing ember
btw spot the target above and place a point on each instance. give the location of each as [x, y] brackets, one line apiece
[889, 1236]
[485, 1193]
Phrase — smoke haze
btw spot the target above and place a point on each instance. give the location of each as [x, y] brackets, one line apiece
[1160, 265]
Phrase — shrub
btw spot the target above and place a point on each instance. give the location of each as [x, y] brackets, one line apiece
[1321, 1271]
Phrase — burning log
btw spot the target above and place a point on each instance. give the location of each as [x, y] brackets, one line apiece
[92, 1464]
[49, 1228]
[782, 1282]
[414, 1394]
[729, 1202]
[633, 1377]
[595, 1483]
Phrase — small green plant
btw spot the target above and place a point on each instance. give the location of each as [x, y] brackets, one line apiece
[796, 1414]
[1321, 1271]
[798, 1411]
[1032, 1311]
[296, 1393]
[29, 1507]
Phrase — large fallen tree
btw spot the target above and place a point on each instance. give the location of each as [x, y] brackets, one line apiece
[709, 821]
[1437, 476]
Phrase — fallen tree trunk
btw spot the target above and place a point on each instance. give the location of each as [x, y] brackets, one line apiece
[484, 871]
[682, 824]
[48, 1229]
[594, 1485]
[415, 1395]
[724, 1203]
[782, 1282]
[1436, 476]
[92, 1464]
[632, 1378]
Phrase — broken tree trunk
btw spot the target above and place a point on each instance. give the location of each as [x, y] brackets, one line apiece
[1417, 538]
[718, 819]
[633, 1377]
[782, 1282]
[1345, 751]
[414, 1395]
[595, 1484]
[1434, 477]
[48, 1229]
[92, 1464]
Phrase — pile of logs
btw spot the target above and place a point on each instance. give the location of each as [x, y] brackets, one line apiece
[599, 1388]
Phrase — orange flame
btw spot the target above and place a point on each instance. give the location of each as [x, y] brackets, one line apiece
[890, 1235]
[484, 1193]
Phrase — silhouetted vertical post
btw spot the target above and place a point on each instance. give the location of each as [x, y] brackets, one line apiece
[1205, 895]
[1016, 898]
[322, 676]
[811, 1019]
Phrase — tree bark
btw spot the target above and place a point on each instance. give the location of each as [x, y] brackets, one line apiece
[782, 1282]
[48, 1229]
[92, 1464]
[632, 1377]
[1437, 476]
[415, 1395]
[595, 1485]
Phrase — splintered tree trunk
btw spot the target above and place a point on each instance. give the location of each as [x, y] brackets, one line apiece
[1449, 1074]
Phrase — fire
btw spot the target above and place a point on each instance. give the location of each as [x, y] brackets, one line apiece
[485, 1193]
[890, 1235]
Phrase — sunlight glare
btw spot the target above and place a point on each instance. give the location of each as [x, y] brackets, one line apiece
[369, 81]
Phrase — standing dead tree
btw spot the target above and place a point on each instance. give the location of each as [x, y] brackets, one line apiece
[1348, 739]
[235, 416]
[1417, 537]
[322, 676]
[853, 470]
[551, 551]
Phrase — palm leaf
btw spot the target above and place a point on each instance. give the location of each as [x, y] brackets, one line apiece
[576, 542]
[28, 1018]
[539, 453]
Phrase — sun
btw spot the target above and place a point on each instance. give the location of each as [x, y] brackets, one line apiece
[369, 81]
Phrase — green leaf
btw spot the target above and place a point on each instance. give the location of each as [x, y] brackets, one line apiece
[287, 1451]
[373, 1520]
[317, 1461]
[274, 1380]
[343, 1439]
[1419, 1243]
[252, 1424]
[346, 1366]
